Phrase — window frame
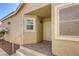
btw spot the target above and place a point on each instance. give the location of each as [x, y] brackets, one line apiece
[57, 31]
[25, 21]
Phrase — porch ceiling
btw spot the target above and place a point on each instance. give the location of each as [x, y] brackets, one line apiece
[42, 12]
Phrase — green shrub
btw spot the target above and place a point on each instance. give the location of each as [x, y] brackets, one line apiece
[2, 33]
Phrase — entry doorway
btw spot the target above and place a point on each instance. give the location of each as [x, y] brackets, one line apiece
[47, 29]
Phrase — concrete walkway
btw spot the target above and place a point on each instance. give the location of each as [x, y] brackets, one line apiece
[3, 53]
[42, 47]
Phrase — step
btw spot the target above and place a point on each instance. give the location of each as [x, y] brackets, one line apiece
[21, 52]
[16, 54]
[31, 52]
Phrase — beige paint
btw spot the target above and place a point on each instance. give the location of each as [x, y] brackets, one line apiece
[43, 12]
[37, 36]
[59, 47]
[47, 29]
[63, 47]
[15, 29]
[30, 37]
[39, 29]
[17, 34]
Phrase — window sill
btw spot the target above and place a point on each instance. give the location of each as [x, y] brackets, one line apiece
[29, 31]
[70, 38]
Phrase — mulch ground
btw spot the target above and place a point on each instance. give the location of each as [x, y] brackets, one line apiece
[7, 47]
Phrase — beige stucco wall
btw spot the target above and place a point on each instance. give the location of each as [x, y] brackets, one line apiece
[29, 36]
[35, 36]
[63, 47]
[59, 47]
[38, 34]
[16, 27]
[39, 29]
[47, 29]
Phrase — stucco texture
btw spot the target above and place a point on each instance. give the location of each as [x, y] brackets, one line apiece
[16, 28]
[63, 47]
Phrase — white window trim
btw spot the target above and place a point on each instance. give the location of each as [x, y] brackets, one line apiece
[25, 21]
[57, 34]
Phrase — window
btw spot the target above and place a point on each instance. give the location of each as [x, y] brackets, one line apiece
[67, 22]
[29, 24]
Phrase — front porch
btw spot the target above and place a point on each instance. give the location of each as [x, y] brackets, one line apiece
[38, 44]
[43, 47]
[38, 49]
